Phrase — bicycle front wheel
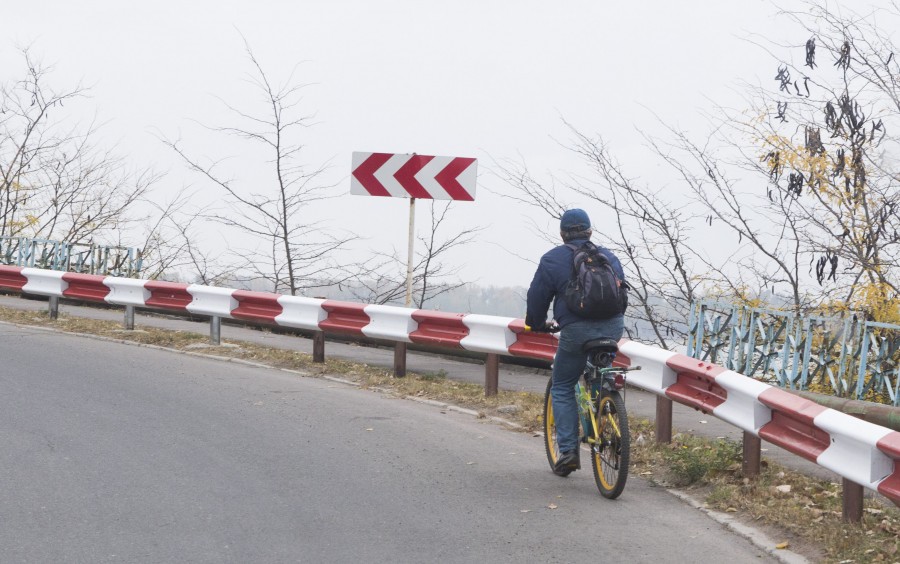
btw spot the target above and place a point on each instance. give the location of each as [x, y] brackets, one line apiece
[610, 454]
[550, 444]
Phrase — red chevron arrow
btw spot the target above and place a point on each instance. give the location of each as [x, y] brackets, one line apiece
[406, 176]
[447, 178]
[365, 174]
[413, 176]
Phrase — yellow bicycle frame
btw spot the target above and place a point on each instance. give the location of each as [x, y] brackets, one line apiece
[585, 402]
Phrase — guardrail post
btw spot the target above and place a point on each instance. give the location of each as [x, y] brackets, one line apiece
[319, 346]
[215, 330]
[399, 360]
[54, 307]
[129, 318]
[752, 455]
[663, 420]
[491, 374]
[853, 501]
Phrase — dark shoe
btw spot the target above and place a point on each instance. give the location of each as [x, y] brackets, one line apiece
[567, 463]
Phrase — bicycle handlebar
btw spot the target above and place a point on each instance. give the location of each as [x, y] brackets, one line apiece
[553, 327]
[550, 327]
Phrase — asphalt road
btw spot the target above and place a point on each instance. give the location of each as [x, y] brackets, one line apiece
[116, 453]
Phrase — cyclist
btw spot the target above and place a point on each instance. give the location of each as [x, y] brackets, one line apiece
[553, 273]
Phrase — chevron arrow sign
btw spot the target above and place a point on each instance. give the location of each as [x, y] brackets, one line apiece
[413, 176]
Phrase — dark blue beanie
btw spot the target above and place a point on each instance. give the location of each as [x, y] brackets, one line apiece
[574, 220]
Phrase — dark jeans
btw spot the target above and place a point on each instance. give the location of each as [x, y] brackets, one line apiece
[568, 366]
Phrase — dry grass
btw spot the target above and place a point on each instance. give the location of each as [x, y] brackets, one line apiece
[808, 515]
[805, 510]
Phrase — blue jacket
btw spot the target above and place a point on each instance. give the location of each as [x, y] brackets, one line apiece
[549, 283]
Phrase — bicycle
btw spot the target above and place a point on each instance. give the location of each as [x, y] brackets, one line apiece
[603, 417]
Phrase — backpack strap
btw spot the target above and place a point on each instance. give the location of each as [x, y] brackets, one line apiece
[575, 248]
[591, 249]
[587, 245]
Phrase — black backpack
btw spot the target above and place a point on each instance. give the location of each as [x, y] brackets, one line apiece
[594, 291]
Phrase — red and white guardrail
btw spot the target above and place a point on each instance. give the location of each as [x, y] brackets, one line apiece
[479, 333]
[863, 452]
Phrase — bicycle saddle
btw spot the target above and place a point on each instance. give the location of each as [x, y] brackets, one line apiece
[601, 351]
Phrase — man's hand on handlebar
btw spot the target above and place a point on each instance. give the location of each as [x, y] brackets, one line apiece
[549, 327]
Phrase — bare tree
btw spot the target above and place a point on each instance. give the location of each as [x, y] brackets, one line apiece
[28, 138]
[652, 241]
[823, 223]
[298, 252]
[821, 137]
[173, 247]
[383, 281]
[649, 234]
[770, 239]
[54, 182]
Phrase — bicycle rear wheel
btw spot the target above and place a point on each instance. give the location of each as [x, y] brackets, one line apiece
[610, 455]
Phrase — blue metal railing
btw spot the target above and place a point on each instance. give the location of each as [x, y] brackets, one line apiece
[58, 255]
[844, 356]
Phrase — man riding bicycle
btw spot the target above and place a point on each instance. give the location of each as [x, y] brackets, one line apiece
[553, 274]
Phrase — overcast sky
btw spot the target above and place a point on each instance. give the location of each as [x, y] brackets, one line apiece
[485, 79]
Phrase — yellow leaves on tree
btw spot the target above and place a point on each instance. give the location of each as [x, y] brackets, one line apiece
[739, 295]
[17, 198]
[780, 154]
[877, 300]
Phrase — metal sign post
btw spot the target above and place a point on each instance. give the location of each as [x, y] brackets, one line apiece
[409, 256]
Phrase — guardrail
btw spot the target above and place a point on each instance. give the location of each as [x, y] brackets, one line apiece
[864, 454]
